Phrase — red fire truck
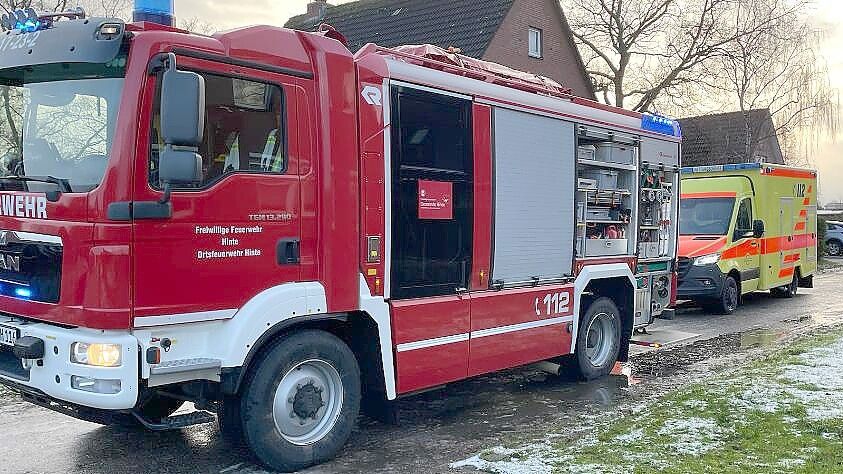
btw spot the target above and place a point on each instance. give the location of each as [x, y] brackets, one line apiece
[272, 228]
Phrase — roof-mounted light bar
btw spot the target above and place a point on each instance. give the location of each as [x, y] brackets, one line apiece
[720, 168]
[162, 12]
[28, 20]
[661, 124]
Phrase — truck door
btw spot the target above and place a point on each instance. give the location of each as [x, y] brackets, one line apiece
[747, 246]
[432, 207]
[236, 233]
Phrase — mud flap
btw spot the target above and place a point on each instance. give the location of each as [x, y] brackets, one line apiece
[807, 282]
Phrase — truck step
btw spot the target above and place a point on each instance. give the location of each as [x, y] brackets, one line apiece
[185, 365]
[176, 422]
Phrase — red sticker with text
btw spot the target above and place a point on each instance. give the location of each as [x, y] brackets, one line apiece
[436, 200]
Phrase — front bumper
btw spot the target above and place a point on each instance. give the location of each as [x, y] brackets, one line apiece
[52, 374]
[701, 282]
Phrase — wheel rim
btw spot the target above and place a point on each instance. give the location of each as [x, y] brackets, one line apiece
[732, 297]
[599, 340]
[308, 401]
[833, 248]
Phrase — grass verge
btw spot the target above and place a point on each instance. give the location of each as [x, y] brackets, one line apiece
[783, 412]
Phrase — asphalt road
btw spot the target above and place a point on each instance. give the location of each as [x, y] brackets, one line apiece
[436, 428]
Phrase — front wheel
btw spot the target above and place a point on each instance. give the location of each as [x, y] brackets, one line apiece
[598, 340]
[300, 403]
[729, 298]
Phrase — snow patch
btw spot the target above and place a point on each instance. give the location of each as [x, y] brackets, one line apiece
[693, 436]
[630, 437]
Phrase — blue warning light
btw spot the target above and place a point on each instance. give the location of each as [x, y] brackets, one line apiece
[661, 124]
[155, 11]
[23, 293]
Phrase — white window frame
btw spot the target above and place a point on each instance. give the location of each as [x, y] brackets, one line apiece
[538, 52]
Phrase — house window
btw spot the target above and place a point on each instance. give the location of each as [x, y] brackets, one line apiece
[535, 42]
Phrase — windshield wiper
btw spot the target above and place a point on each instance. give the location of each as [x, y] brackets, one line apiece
[62, 184]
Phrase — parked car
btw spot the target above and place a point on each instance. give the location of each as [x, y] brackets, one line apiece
[834, 239]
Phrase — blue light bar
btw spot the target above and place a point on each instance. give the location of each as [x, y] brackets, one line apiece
[155, 11]
[719, 168]
[23, 293]
[660, 124]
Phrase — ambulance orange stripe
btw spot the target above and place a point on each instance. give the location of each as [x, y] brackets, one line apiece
[786, 272]
[789, 173]
[800, 226]
[803, 213]
[806, 202]
[792, 258]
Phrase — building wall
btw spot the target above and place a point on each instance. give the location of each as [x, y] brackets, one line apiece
[510, 45]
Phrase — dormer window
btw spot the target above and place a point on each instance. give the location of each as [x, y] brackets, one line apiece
[535, 40]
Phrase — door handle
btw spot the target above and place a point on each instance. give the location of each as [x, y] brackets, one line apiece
[288, 252]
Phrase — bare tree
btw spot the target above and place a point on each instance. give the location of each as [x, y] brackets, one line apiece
[777, 68]
[639, 51]
[197, 25]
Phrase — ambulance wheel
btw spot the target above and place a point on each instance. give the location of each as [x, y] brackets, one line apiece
[598, 340]
[834, 248]
[730, 297]
[301, 400]
[789, 290]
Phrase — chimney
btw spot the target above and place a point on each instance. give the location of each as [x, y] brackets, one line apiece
[317, 8]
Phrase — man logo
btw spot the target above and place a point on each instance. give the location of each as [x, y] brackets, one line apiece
[373, 96]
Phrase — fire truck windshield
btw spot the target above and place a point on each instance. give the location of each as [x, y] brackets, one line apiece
[57, 122]
[705, 216]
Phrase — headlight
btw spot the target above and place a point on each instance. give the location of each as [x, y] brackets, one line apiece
[97, 355]
[709, 259]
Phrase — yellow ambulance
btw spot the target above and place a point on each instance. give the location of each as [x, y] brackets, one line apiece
[744, 228]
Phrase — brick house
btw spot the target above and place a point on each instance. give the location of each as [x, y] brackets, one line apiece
[529, 35]
[731, 137]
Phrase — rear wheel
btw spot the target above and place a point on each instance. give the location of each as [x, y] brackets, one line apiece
[301, 401]
[834, 248]
[598, 340]
[789, 290]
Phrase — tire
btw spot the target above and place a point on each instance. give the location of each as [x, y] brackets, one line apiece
[791, 289]
[730, 297]
[301, 400]
[834, 248]
[600, 328]
[230, 420]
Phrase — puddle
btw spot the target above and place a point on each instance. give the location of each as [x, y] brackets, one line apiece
[760, 338]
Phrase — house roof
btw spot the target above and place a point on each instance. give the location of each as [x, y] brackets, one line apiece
[722, 138]
[466, 24]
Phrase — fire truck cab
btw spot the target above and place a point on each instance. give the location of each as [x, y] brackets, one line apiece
[274, 229]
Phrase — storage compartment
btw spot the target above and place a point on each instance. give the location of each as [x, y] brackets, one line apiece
[606, 179]
[616, 153]
[583, 183]
[586, 152]
[598, 214]
[602, 247]
[648, 250]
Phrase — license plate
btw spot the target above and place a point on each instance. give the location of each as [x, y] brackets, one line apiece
[8, 335]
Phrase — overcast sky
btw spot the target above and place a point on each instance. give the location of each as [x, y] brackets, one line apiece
[828, 16]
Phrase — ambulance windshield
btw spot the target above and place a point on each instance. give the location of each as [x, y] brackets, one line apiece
[57, 125]
[705, 216]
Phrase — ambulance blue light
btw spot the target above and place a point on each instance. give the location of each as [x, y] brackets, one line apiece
[155, 11]
[23, 293]
[660, 124]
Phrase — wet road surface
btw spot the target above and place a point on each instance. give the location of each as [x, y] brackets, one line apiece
[436, 428]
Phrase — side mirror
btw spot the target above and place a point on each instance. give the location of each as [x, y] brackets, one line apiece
[758, 229]
[182, 125]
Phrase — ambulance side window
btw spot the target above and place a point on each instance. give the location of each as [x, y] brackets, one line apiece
[743, 224]
[244, 130]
